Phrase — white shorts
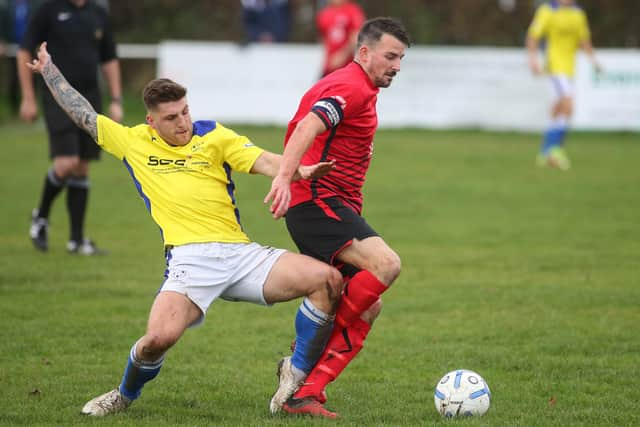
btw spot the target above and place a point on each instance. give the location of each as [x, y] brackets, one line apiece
[232, 271]
[562, 86]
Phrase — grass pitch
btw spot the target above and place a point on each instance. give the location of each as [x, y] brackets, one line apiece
[528, 276]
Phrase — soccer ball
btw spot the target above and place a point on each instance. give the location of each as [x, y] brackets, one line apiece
[462, 393]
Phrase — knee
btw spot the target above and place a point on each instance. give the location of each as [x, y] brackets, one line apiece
[327, 290]
[388, 268]
[62, 170]
[566, 106]
[333, 284]
[154, 345]
[372, 312]
[81, 168]
[67, 167]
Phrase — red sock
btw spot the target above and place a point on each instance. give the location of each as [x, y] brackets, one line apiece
[342, 347]
[362, 290]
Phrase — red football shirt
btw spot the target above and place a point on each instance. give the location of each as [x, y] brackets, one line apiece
[345, 100]
[335, 25]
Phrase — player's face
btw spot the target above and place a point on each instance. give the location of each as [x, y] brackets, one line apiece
[382, 60]
[172, 121]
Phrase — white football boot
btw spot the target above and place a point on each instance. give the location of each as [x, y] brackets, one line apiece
[106, 404]
[289, 380]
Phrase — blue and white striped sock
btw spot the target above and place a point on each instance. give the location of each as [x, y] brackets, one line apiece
[137, 374]
[554, 136]
[313, 328]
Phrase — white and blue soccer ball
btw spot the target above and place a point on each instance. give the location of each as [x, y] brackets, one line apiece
[462, 393]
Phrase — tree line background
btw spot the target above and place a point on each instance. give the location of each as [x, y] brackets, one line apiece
[614, 23]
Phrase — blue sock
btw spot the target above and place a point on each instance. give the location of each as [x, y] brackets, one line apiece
[554, 136]
[313, 328]
[137, 374]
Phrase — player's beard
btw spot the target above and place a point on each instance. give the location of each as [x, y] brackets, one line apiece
[386, 80]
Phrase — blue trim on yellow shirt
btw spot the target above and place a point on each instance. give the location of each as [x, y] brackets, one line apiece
[231, 188]
[146, 200]
[203, 127]
[147, 203]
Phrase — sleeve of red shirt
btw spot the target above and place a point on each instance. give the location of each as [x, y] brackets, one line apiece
[336, 102]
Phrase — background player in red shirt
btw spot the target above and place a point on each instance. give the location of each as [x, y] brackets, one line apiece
[338, 24]
[337, 120]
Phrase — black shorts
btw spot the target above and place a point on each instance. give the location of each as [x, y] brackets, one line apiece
[322, 228]
[65, 137]
[73, 142]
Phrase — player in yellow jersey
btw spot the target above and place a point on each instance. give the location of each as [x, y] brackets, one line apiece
[564, 28]
[182, 170]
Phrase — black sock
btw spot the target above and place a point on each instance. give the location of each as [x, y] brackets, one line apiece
[77, 198]
[53, 185]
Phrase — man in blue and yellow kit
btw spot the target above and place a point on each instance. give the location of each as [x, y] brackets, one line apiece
[564, 28]
[182, 171]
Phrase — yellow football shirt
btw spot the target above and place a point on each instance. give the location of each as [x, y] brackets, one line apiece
[564, 29]
[188, 190]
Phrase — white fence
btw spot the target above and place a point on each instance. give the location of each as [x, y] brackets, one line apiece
[438, 87]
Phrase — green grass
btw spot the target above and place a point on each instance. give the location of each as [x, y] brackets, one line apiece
[528, 276]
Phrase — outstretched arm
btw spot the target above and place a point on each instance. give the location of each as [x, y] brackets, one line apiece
[69, 99]
[268, 164]
[299, 142]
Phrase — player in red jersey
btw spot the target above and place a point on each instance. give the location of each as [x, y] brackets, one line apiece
[338, 24]
[337, 120]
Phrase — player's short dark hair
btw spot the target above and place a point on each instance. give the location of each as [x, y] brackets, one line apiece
[373, 29]
[159, 91]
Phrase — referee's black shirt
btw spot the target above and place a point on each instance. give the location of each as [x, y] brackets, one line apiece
[79, 39]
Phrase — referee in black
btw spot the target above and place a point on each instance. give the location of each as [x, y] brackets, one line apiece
[80, 39]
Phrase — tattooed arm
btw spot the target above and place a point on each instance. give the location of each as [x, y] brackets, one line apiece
[69, 99]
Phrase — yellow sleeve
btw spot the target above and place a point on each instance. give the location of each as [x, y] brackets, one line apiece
[239, 152]
[112, 136]
[540, 25]
[584, 33]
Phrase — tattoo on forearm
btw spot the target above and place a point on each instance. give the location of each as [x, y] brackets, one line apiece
[70, 100]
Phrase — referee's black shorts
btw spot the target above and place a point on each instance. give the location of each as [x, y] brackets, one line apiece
[321, 228]
[65, 138]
